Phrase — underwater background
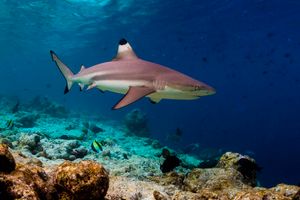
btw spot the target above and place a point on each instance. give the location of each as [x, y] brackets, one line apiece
[248, 50]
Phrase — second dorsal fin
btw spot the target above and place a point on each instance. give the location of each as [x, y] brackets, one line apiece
[125, 52]
[82, 68]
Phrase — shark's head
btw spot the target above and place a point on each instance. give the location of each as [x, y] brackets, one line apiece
[199, 90]
[187, 87]
[187, 91]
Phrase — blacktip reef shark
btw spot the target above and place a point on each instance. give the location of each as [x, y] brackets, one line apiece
[136, 78]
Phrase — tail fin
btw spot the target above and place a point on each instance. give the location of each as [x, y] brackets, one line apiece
[67, 73]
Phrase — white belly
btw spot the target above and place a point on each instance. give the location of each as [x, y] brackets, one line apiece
[118, 86]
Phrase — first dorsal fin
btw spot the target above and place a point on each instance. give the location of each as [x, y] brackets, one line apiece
[125, 52]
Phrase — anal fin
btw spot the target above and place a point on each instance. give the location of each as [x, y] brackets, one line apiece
[81, 86]
[92, 85]
[133, 94]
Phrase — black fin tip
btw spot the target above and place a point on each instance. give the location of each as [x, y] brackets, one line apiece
[122, 41]
[52, 54]
[66, 90]
[153, 102]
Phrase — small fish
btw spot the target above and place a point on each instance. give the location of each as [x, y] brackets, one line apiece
[96, 146]
[9, 124]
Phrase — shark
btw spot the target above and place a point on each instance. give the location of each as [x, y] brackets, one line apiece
[134, 77]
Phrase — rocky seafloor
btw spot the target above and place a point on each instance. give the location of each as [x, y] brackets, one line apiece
[45, 153]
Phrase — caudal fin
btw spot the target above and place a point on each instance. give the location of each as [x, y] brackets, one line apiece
[67, 73]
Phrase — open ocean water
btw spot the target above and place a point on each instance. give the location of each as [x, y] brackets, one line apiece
[248, 50]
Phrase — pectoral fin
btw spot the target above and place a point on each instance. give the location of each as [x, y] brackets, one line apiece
[133, 94]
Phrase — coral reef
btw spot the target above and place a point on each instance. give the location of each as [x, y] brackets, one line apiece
[92, 127]
[79, 152]
[159, 196]
[6, 141]
[52, 159]
[287, 190]
[51, 149]
[45, 106]
[170, 178]
[136, 123]
[170, 162]
[89, 180]
[223, 182]
[7, 162]
[215, 179]
[27, 120]
[95, 129]
[83, 180]
[67, 181]
[124, 188]
[64, 149]
[296, 196]
[242, 163]
[26, 181]
[31, 142]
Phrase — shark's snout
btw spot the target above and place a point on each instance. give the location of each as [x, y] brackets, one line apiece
[211, 91]
[204, 90]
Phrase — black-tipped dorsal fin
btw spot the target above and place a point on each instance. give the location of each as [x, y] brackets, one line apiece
[125, 52]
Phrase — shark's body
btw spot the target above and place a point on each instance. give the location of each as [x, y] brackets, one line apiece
[127, 74]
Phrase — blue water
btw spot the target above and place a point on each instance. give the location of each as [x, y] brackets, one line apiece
[248, 50]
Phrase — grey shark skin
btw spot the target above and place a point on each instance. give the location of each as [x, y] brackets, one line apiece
[127, 74]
